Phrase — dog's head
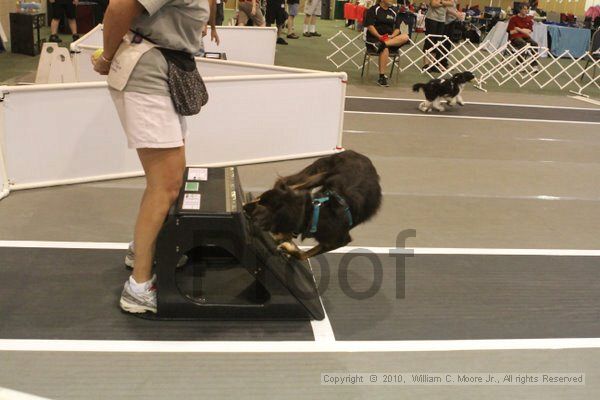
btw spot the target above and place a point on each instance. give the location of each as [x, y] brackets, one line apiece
[279, 210]
[463, 77]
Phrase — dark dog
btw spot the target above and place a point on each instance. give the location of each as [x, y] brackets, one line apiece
[437, 90]
[323, 201]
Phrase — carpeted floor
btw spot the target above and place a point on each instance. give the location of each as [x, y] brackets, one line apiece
[304, 53]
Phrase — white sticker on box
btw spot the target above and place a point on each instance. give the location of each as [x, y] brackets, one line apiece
[191, 201]
[198, 174]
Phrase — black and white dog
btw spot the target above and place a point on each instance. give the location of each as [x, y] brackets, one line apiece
[437, 90]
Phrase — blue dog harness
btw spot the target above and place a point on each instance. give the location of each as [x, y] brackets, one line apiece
[319, 201]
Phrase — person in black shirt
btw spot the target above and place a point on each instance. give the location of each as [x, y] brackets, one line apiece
[383, 33]
[276, 15]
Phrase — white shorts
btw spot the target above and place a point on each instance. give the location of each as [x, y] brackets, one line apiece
[149, 120]
[314, 8]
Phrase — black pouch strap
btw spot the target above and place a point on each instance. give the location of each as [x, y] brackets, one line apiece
[182, 59]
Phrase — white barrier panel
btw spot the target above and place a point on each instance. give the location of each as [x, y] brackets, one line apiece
[240, 43]
[250, 44]
[58, 134]
[3, 175]
[207, 67]
[93, 38]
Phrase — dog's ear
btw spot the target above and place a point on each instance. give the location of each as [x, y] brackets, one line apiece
[280, 186]
[284, 189]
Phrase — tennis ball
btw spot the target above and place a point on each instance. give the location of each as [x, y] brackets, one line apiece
[97, 54]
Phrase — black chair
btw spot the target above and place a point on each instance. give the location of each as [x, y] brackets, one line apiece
[370, 52]
[594, 49]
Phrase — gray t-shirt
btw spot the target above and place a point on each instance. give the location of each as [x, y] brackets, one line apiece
[436, 14]
[449, 16]
[173, 24]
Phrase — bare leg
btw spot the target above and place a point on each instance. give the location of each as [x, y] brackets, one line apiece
[384, 57]
[54, 26]
[290, 25]
[164, 171]
[73, 26]
[398, 40]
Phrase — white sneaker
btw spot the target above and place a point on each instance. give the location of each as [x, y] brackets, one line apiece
[137, 303]
[130, 257]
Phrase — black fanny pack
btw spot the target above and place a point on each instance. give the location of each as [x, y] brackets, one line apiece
[188, 91]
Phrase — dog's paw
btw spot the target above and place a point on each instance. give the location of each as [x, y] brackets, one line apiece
[460, 103]
[286, 248]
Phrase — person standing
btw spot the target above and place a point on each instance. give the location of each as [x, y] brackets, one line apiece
[60, 8]
[453, 20]
[312, 10]
[276, 15]
[142, 40]
[220, 16]
[435, 24]
[293, 6]
[248, 10]
[406, 13]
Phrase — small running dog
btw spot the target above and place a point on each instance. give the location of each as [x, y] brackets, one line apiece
[323, 201]
[437, 90]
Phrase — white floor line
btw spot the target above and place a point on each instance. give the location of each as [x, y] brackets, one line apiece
[64, 245]
[341, 250]
[586, 99]
[491, 104]
[466, 251]
[8, 394]
[431, 115]
[137, 346]
[322, 330]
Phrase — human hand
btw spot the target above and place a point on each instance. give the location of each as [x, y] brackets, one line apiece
[253, 12]
[204, 30]
[214, 36]
[75, 2]
[101, 65]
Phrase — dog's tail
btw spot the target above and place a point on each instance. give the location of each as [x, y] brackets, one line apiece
[418, 86]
